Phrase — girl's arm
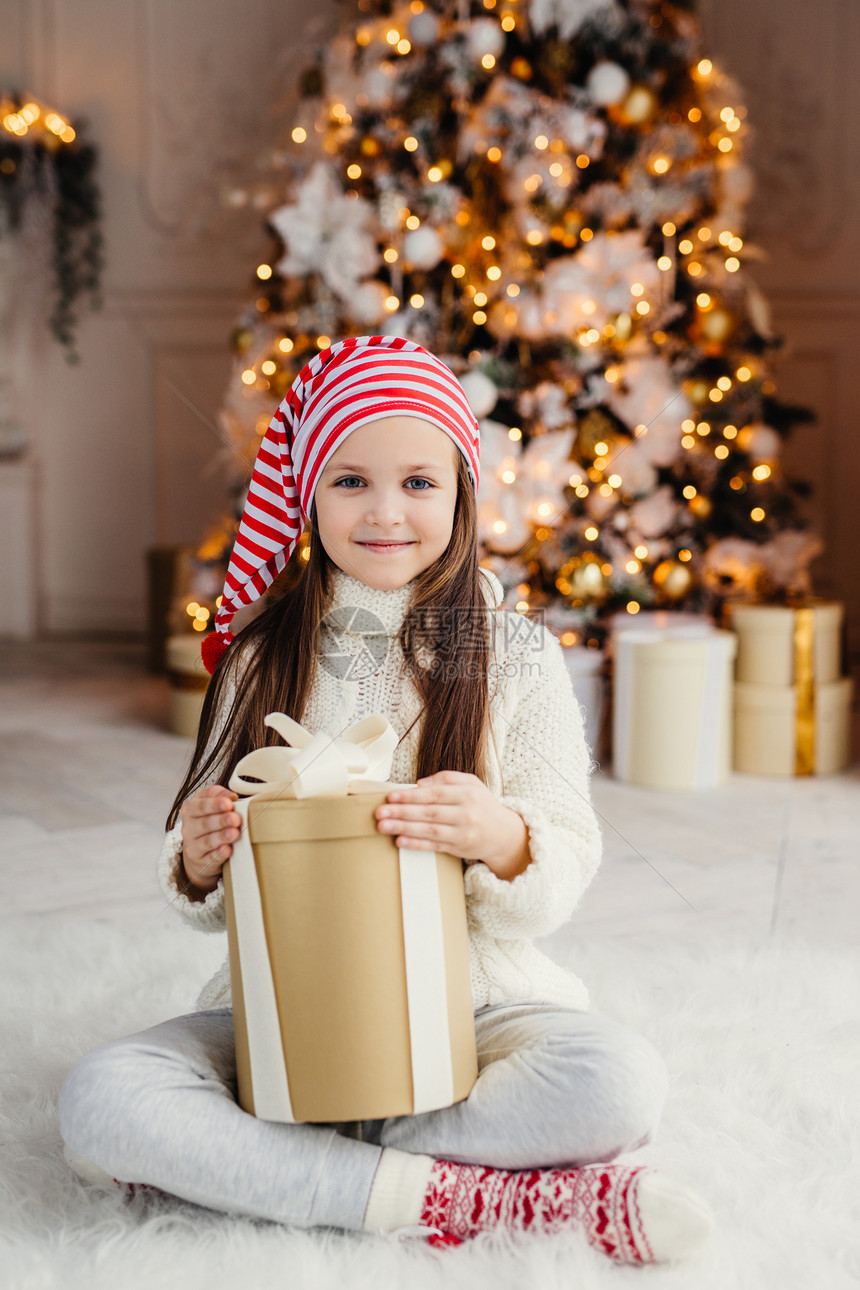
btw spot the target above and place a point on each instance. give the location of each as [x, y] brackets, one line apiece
[545, 767]
[207, 915]
[203, 910]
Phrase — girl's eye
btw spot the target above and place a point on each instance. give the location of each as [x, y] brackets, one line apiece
[416, 479]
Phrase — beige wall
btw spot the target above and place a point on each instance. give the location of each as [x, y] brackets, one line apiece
[178, 96]
[797, 64]
[179, 99]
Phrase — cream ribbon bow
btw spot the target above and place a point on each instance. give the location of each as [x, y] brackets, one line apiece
[359, 761]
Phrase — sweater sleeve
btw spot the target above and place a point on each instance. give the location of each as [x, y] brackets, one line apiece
[207, 915]
[545, 769]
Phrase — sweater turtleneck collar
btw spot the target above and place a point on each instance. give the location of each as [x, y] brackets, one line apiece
[390, 606]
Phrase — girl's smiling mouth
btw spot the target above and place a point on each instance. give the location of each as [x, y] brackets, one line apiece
[385, 546]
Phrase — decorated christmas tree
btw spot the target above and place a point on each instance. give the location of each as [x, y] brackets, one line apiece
[550, 195]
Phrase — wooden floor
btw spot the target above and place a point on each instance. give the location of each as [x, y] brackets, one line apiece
[88, 771]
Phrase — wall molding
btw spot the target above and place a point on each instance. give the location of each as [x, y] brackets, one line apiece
[39, 22]
[200, 133]
[63, 614]
[19, 539]
[795, 68]
[138, 300]
[819, 369]
[197, 319]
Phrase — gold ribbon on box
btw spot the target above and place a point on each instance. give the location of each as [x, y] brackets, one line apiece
[315, 766]
[804, 682]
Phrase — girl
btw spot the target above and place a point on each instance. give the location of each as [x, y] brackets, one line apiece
[377, 447]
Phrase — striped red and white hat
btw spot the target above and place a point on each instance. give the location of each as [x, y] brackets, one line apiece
[355, 381]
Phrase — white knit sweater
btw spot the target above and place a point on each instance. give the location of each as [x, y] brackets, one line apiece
[538, 766]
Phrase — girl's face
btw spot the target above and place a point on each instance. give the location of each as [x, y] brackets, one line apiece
[386, 499]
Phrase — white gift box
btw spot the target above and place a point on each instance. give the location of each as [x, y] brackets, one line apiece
[188, 681]
[670, 622]
[585, 668]
[672, 708]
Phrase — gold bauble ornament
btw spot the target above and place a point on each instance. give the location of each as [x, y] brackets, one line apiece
[623, 324]
[594, 428]
[701, 506]
[673, 579]
[522, 69]
[716, 325]
[582, 579]
[639, 106]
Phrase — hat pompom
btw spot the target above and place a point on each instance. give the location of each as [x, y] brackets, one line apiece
[213, 648]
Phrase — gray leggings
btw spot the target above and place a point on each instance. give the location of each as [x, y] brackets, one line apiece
[556, 1087]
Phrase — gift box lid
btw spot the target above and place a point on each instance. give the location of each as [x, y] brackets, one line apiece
[671, 621]
[671, 649]
[182, 654]
[272, 817]
[827, 616]
[783, 698]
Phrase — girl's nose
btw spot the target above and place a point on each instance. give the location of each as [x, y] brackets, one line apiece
[385, 508]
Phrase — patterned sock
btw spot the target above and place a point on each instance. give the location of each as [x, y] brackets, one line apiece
[634, 1215]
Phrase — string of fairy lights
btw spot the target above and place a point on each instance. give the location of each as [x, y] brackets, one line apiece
[34, 121]
[49, 185]
[200, 615]
[487, 278]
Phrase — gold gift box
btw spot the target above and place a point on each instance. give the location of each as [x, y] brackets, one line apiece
[780, 644]
[792, 707]
[766, 729]
[343, 963]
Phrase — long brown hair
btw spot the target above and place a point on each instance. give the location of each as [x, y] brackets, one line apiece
[272, 663]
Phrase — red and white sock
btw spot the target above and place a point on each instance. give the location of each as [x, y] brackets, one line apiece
[632, 1214]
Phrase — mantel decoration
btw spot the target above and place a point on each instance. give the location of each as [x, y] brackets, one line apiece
[45, 165]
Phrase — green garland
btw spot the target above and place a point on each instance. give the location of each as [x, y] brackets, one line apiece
[38, 164]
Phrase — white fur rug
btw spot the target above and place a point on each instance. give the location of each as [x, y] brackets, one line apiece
[764, 1050]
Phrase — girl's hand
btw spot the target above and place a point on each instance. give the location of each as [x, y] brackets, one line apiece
[457, 813]
[209, 826]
